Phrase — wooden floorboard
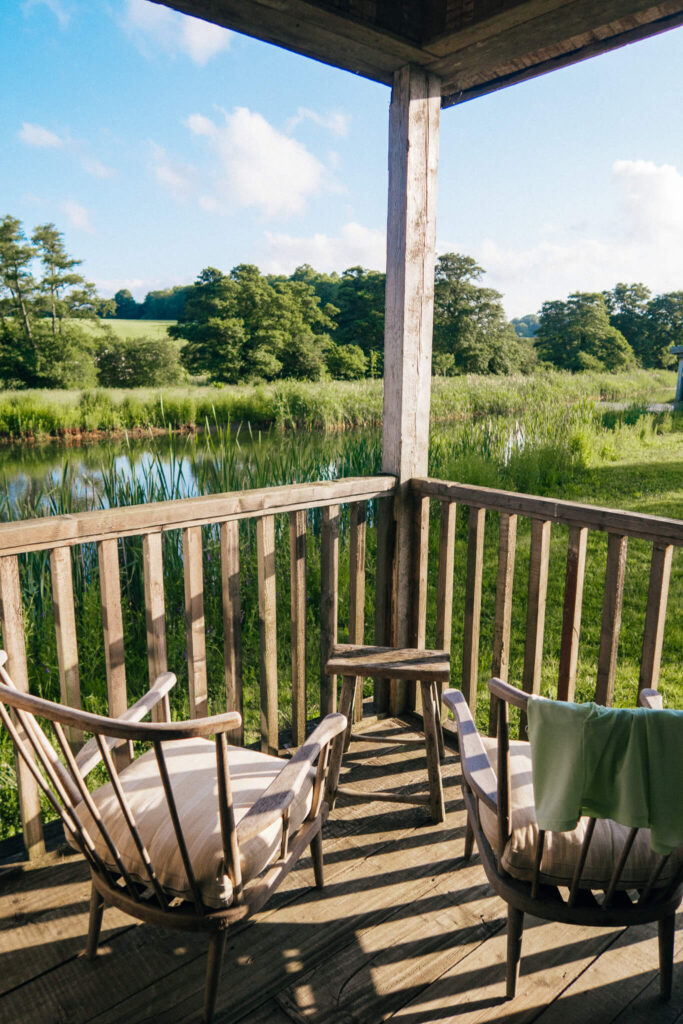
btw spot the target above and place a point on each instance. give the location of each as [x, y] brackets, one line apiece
[404, 931]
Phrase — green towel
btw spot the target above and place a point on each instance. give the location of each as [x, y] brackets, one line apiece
[619, 763]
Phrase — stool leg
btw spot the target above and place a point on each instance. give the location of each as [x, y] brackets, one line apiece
[436, 803]
[348, 692]
[436, 693]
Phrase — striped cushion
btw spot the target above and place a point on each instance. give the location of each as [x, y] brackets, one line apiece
[561, 849]
[192, 770]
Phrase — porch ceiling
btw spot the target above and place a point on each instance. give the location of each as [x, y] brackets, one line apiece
[474, 46]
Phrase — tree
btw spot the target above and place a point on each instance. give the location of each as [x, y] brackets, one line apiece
[126, 306]
[526, 326]
[470, 323]
[165, 304]
[665, 328]
[577, 335]
[360, 299]
[137, 362]
[347, 362]
[62, 293]
[627, 305]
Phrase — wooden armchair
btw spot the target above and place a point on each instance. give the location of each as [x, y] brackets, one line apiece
[181, 835]
[601, 873]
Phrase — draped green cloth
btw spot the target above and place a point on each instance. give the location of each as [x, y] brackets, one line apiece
[619, 763]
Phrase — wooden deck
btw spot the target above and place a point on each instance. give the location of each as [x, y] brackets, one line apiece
[403, 931]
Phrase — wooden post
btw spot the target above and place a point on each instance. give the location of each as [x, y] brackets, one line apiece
[357, 591]
[297, 574]
[267, 610]
[194, 621]
[232, 622]
[12, 619]
[112, 625]
[329, 588]
[155, 617]
[500, 664]
[612, 603]
[65, 629]
[411, 234]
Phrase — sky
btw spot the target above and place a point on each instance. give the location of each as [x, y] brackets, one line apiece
[160, 145]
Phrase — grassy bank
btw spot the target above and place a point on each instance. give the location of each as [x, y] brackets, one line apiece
[624, 459]
[327, 406]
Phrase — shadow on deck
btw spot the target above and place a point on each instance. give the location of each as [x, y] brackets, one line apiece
[405, 930]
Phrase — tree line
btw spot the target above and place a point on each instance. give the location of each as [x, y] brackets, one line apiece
[247, 326]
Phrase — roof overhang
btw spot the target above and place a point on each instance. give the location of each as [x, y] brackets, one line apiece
[474, 46]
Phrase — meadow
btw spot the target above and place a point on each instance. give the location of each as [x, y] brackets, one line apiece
[328, 405]
[624, 458]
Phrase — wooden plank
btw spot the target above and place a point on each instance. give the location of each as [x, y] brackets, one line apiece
[411, 232]
[571, 616]
[155, 617]
[500, 664]
[655, 616]
[329, 589]
[65, 629]
[232, 622]
[82, 527]
[194, 621]
[357, 543]
[267, 611]
[444, 594]
[112, 625]
[472, 623]
[297, 562]
[384, 590]
[12, 621]
[412, 696]
[613, 599]
[535, 616]
[390, 662]
[571, 513]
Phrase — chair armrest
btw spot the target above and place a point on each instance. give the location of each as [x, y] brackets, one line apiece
[650, 699]
[273, 804]
[510, 694]
[476, 766]
[89, 755]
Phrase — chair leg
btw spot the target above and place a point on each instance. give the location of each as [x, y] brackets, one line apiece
[469, 838]
[666, 928]
[94, 923]
[213, 973]
[436, 694]
[514, 935]
[317, 856]
[348, 692]
[431, 743]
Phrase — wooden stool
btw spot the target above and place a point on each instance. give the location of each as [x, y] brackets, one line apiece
[426, 667]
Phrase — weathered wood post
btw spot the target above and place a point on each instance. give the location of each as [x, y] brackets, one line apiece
[411, 239]
[677, 350]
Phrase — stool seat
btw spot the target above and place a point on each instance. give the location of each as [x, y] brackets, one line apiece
[389, 663]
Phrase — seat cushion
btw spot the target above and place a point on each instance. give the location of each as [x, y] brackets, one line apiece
[192, 770]
[562, 849]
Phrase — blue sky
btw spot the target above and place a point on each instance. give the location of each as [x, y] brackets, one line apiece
[160, 145]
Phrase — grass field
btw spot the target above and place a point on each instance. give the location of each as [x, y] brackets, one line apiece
[134, 328]
[328, 405]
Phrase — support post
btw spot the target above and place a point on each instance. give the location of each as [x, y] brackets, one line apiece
[411, 239]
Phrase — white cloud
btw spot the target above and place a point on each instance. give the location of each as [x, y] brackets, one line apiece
[258, 165]
[355, 245]
[36, 135]
[57, 8]
[334, 121]
[96, 168]
[77, 216]
[642, 241]
[153, 28]
[139, 286]
[176, 177]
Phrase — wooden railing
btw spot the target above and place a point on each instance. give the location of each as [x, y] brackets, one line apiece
[662, 534]
[58, 534]
[431, 584]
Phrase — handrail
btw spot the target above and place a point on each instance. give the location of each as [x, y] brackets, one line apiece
[86, 527]
[632, 524]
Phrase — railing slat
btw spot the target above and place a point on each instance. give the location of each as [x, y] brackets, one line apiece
[475, 565]
[655, 616]
[571, 616]
[444, 599]
[12, 620]
[384, 591]
[329, 587]
[357, 542]
[65, 630]
[412, 695]
[112, 623]
[613, 599]
[155, 617]
[232, 623]
[507, 543]
[297, 562]
[194, 619]
[267, 598]
[535, 617]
